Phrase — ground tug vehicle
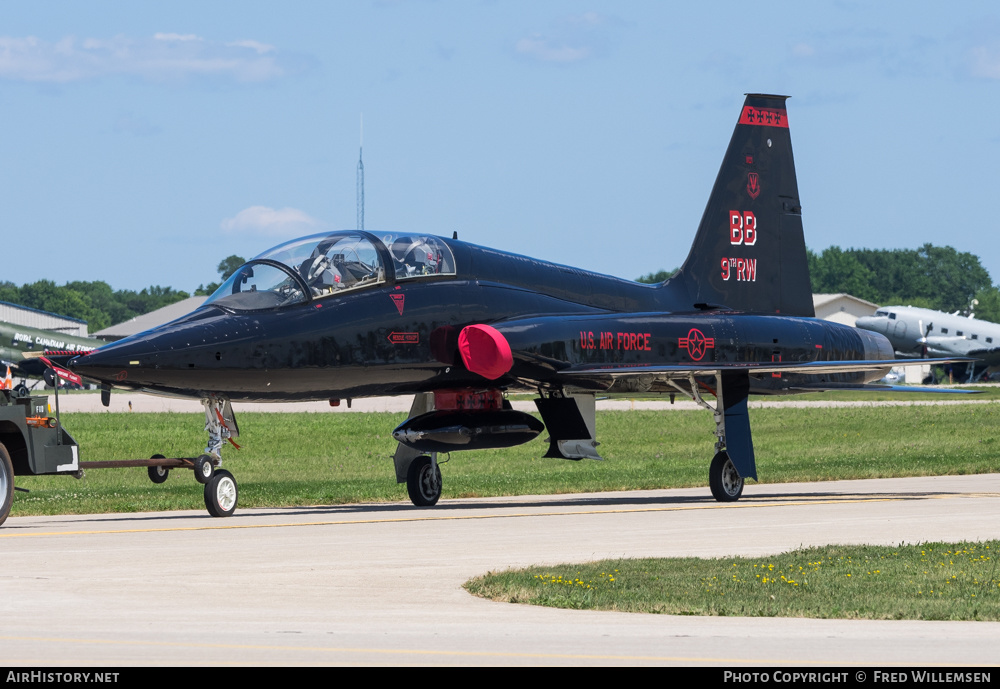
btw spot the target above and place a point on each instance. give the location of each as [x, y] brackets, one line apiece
[33, 442]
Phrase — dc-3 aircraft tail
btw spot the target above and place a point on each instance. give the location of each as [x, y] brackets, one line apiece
[353, 314]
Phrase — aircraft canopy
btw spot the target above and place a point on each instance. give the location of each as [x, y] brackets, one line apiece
[323, 265]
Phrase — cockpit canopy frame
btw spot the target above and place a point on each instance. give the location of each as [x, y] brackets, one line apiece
[330, 264]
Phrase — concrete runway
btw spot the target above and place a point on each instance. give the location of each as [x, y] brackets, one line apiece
[382, 584]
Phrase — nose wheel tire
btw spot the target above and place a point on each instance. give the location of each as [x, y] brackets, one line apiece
[724, 480]
[423, 482]
[221, 494]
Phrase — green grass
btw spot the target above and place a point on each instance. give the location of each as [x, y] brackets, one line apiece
[983, 392]
[932, 581]
[315, 458]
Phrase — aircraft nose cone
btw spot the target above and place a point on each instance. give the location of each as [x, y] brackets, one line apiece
[109, 364]
[93, 366]
[870, 323]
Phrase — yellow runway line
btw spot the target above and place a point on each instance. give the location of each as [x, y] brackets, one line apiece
[747, 504]
[437, 655]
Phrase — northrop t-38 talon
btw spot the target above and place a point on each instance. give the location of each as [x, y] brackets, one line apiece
[354, 314]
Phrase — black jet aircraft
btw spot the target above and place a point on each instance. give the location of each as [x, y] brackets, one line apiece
[354, 314]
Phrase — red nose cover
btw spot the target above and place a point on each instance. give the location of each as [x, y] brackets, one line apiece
[485, 351]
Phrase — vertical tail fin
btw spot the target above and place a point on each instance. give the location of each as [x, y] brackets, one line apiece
[749, 253]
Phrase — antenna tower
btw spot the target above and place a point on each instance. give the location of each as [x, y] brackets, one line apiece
[361, 179]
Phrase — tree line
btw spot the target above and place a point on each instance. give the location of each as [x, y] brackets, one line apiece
[97, 303]
[933, 277]
[93, 302]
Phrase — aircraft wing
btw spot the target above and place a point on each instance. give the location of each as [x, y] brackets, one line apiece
[708, 369]
[878, 387]
[22, 367]
[27, 367]
[987, 354]
[950, 346]
[644, 378]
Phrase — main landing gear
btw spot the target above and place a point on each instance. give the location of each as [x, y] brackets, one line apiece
[471, 419]
[419, 471]
[732, 432]
[725, 482]
[423, 481]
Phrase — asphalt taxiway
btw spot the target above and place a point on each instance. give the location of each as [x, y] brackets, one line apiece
[382, 584]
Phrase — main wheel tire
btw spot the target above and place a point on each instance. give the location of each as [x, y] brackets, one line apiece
[221, 494]
[725, 482]
[203, 468]
[423, 482]
[157, 474]
[6, 484]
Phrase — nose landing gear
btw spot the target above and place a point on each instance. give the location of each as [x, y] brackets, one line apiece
[221, 494]
[221, 491]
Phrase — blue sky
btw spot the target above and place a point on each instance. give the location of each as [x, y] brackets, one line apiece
[144, 142]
